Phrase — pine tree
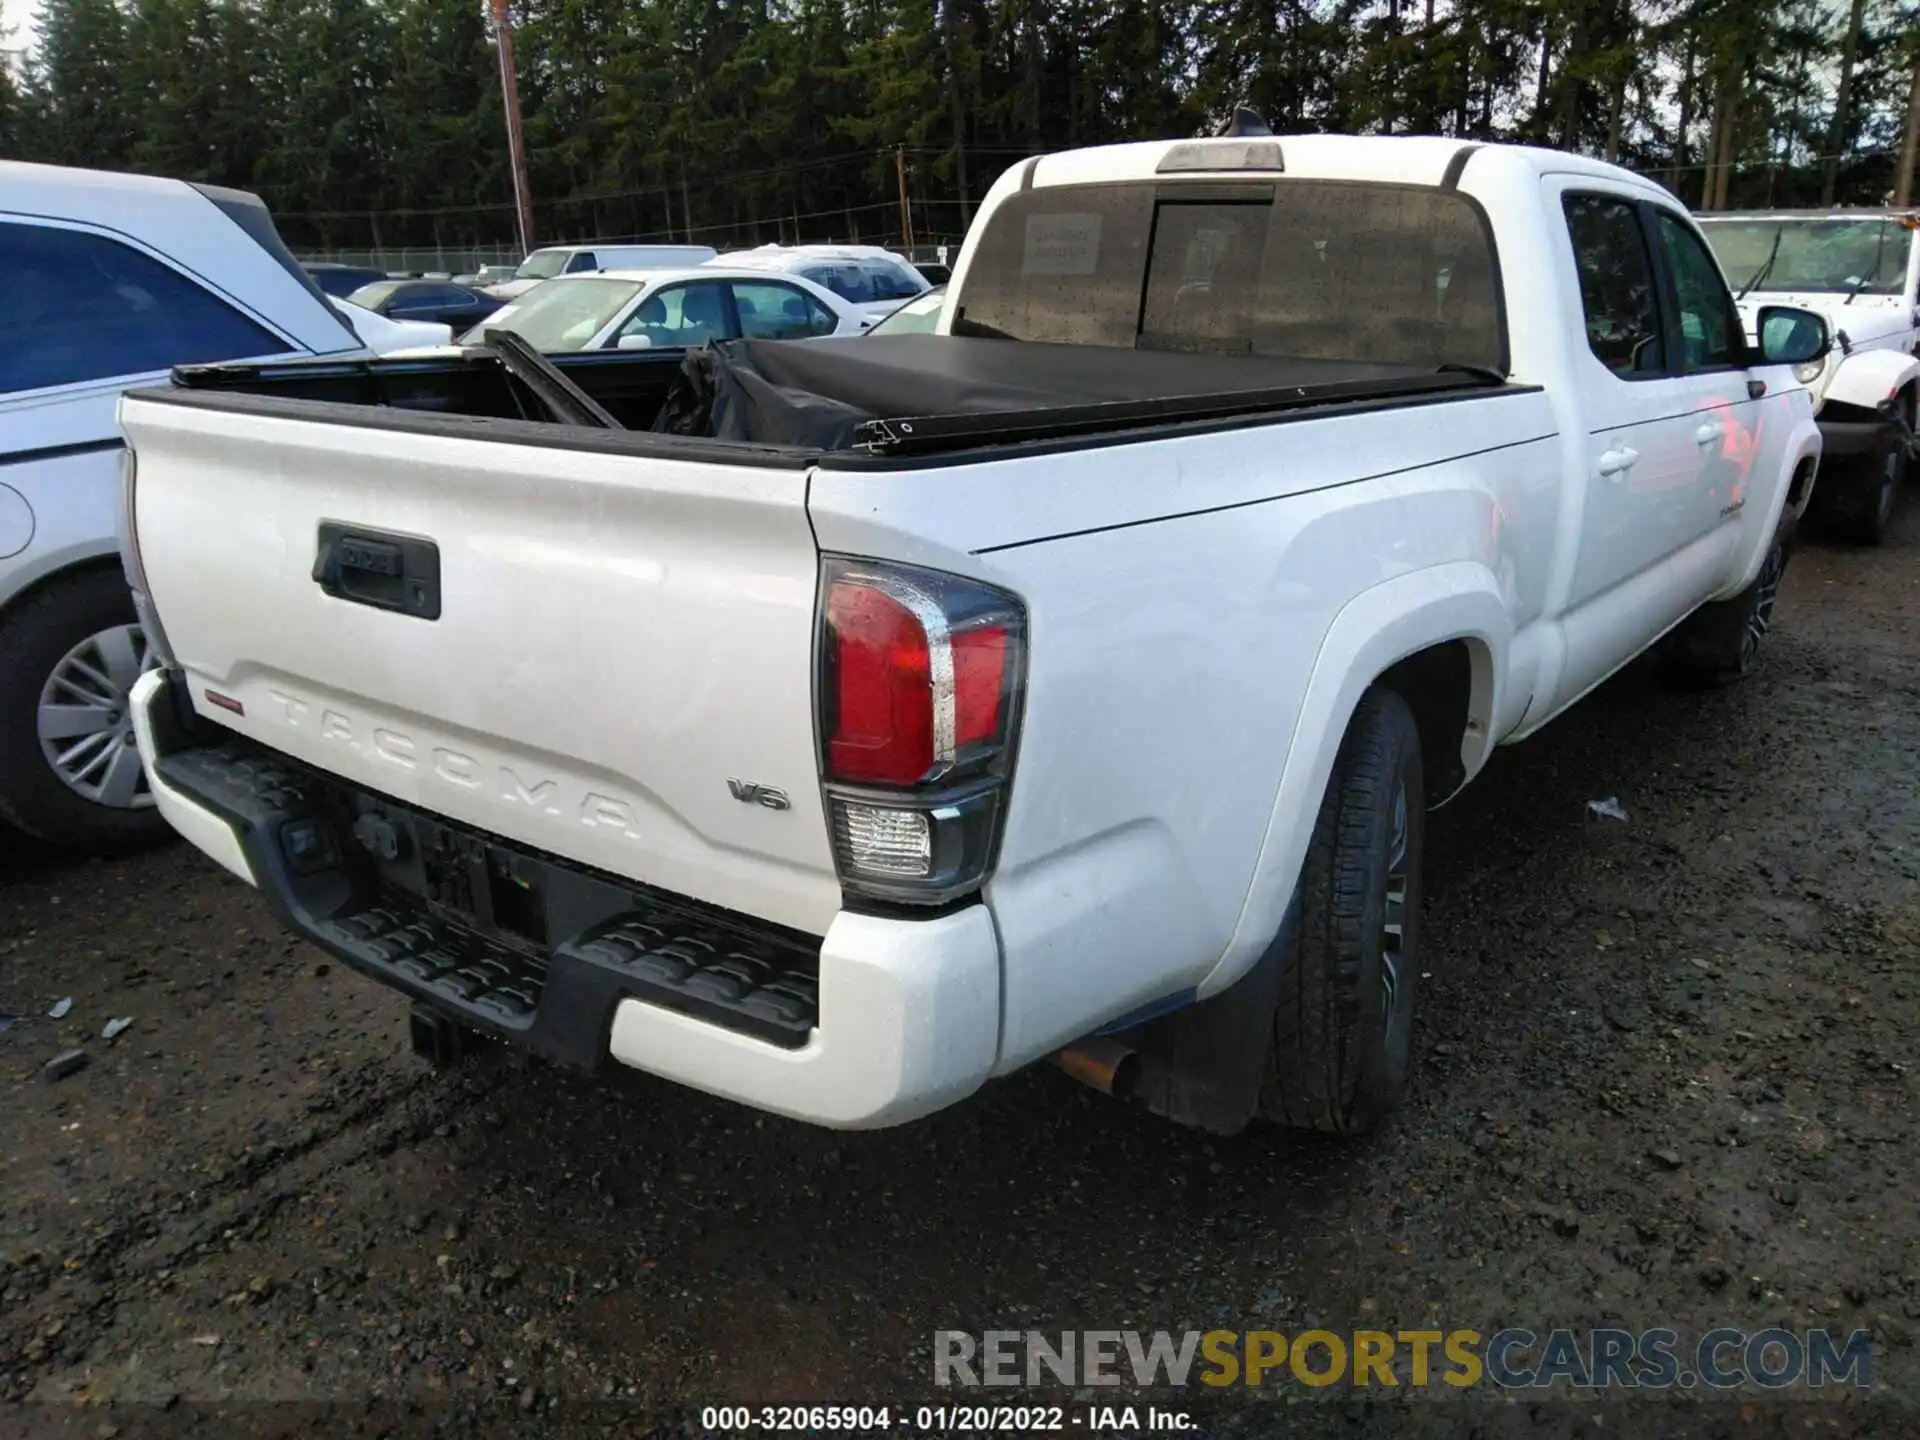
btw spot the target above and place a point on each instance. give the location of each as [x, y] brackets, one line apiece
[367, 122]
[85, 115]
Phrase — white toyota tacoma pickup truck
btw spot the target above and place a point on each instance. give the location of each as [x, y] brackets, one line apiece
[838, 725]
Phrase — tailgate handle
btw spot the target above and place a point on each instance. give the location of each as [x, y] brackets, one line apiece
[379, 568]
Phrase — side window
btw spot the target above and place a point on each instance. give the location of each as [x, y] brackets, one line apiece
[846, 281]
[680, 315]
[584, 260]
[1709, 325]
[889, 281]
[81, 307]
[1616, 284]
[772, 311]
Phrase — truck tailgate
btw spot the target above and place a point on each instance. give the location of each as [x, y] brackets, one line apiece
[622, 650]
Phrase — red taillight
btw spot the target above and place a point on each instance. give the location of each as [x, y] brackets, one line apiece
[883, 692]
[921, 674]
[979, 683]
[913, 684]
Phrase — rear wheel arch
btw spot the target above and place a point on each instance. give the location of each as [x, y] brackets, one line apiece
[1449, 687]
[1211, 1064]
[1459, 604]
[108, 560]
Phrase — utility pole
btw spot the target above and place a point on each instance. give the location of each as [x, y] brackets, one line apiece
[516, 140]
[906, 210]
[1910, 145]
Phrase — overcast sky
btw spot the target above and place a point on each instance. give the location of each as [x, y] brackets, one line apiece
[18, 16]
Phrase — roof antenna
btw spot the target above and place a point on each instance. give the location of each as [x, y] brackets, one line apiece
[1246, 122]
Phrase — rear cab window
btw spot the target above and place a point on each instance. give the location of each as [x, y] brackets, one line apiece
[1299, 269]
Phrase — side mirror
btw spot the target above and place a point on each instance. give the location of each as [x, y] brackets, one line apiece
[1792, 337]
[634, 342]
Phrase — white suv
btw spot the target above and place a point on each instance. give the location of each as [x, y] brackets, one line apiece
[111, 280]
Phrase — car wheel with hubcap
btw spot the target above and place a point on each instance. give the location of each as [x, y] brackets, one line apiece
[69, 770]
[1342, 1041]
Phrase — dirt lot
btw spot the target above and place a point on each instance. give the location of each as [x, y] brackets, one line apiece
[1668, 1077]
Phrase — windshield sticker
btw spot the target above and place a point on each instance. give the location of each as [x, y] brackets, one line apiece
[1062, 245]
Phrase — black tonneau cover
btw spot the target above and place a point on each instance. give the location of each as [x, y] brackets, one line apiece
[899, 393]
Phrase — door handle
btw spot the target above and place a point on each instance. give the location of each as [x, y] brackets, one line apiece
[1615, 463]
[380, 569]
[1706, 434]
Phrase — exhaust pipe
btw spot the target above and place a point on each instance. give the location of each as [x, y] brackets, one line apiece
[1107, 1065]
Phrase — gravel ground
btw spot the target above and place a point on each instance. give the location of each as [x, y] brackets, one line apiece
[1667, 1078]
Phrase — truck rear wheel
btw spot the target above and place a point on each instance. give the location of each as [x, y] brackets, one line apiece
[1343, 1025]
[69, 773]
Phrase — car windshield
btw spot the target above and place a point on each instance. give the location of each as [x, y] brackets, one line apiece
[916, 317]
[369, 296]
[561, 314]
[1821, 255]
[541, 265]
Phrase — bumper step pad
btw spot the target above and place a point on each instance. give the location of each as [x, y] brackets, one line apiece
[607, 940]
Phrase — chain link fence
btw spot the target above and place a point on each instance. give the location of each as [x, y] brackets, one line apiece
[469, 259]
[418, 259]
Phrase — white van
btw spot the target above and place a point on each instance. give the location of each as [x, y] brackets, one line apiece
[555, 260]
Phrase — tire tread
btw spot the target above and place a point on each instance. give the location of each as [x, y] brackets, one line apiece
[1317, 1062]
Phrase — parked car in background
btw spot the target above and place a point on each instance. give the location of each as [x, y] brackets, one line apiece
[1861, 270]
[872, 280]
[1071, 682]
[440, 302]
[671, 309]
[110, 280]
[556, 260]
[342, 280]
[918, 316]
[384, 336]
[486, 275]
[933, 271]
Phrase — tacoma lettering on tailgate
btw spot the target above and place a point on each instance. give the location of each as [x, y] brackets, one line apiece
[500, 782]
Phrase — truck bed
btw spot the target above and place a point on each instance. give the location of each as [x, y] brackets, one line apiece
[877, 396]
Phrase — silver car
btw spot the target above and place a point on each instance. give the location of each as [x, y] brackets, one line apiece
[106, 282]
